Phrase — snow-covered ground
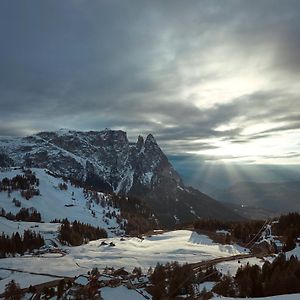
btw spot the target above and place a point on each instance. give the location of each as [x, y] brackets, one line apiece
[208, 286]
[232, 266]
[54, 203]
[24, 280]
[183, 246]
[9, 227]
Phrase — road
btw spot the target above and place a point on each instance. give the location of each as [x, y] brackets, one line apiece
[33, 273]
[206, 264]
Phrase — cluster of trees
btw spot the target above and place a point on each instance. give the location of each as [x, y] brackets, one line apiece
[138, 215]
[63, 186]
[243, 231]
[16, 202]
[13, 291]
[28, 194]
[26, 183]
[282, 276]
[288, 226]
[19, 182]
[77, 233]
[140, 218]
[10, 245]
[25, 215]
[53, 292]
[171, 280]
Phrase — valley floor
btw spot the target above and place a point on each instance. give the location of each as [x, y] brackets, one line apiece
[182, 245]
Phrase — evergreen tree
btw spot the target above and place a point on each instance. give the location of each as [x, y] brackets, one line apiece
[12, 291]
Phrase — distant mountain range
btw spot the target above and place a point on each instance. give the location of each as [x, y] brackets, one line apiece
[259, 200]
[108, 162]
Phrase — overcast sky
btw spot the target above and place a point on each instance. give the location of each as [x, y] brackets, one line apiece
[219, 80]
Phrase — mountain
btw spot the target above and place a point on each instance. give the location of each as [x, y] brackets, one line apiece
[107, 161]
[252, 212]
[277, 197]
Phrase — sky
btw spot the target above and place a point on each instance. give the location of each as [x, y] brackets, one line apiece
[213, 81]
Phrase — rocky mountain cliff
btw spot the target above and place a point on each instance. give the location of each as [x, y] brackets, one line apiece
[107, 161]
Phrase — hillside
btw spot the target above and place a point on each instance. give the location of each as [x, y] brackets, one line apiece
[58, 199]
[108, 162]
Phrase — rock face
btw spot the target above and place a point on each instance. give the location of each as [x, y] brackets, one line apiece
[107, 161]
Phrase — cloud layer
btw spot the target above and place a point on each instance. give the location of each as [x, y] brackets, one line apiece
[206, 77]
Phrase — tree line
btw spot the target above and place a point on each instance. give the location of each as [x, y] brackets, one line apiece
[27, 184]
[25, 215]
[77, 233]
[288, 226]
[243, 231]
[282, 276]
[172, 279]
[139, 216]
[19, 244]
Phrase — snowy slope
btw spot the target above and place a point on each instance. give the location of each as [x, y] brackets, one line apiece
[22, 279]
[9, 227]
[128, 253]
[54, 203]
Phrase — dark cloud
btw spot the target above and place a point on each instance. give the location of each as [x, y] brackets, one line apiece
[145, 66]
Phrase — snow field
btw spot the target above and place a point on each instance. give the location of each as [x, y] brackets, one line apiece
[24, 280]
[52, 202]
[132, 252]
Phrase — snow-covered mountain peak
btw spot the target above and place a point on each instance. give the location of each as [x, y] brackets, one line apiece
[107, 161]
[150, 139]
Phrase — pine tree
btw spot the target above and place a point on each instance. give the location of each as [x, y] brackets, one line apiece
[12, 291]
